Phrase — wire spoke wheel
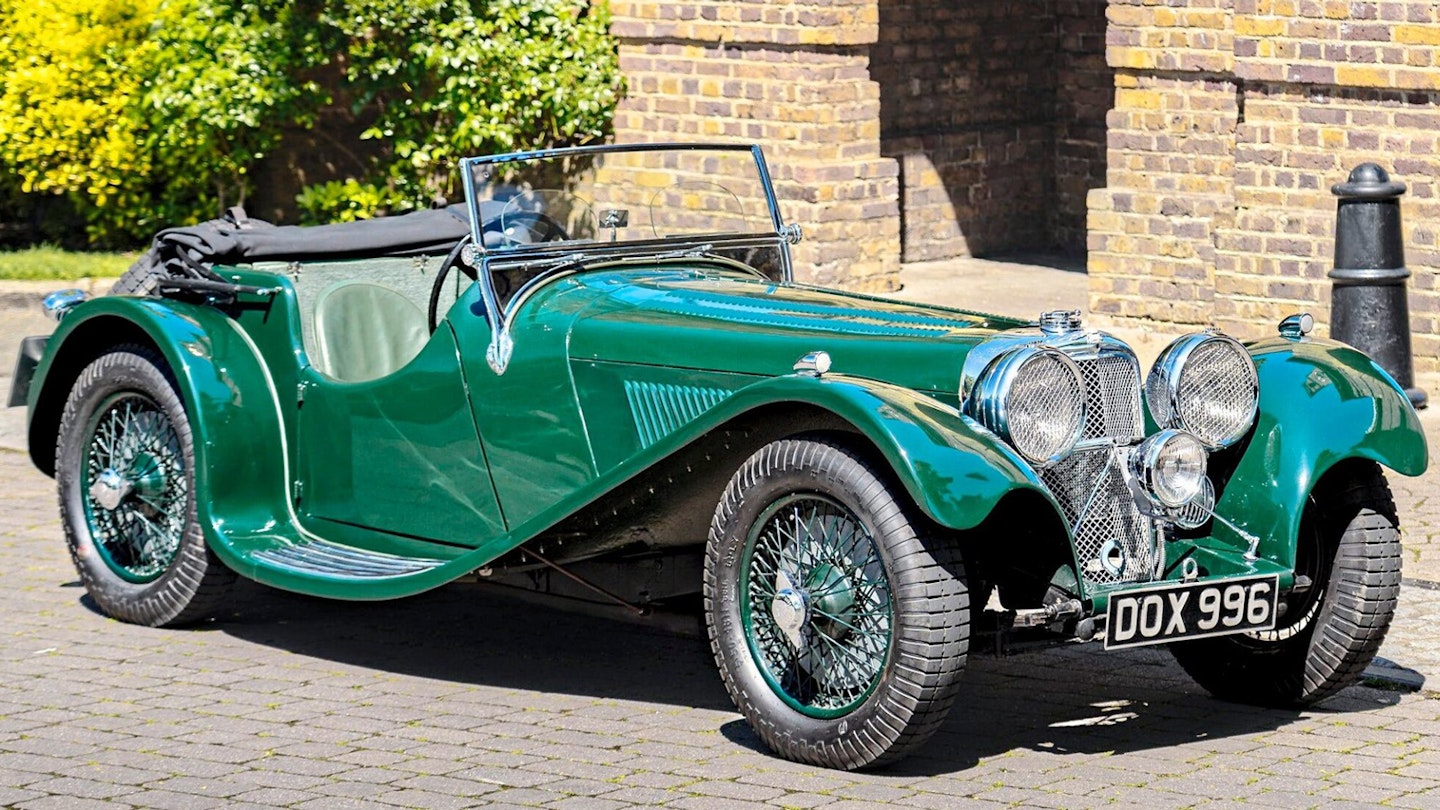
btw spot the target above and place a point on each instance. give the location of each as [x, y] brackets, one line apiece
[134, 486]
[839, 630]
[125, 470]
[816, 604]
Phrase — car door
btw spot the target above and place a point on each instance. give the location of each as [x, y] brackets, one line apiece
[534, 434]
[386, 437]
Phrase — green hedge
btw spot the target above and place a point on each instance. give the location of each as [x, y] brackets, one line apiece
[145, 113]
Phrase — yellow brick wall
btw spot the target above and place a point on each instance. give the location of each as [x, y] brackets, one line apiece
[1232, 119]
[983, 120]
[793, 77]
[1152, 228]
[1292, 147]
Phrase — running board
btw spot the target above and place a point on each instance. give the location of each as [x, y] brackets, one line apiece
[331, 560]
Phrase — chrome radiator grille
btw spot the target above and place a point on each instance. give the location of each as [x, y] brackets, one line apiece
[1090, 484]
[1113, 404]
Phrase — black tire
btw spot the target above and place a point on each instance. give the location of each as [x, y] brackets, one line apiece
[1349, 546]
[142, 278]
[914, 680]
[143, 559]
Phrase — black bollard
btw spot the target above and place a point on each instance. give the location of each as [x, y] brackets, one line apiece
[1368, 307]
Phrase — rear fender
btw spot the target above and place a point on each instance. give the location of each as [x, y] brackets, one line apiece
[239, 443]
[1321, 403]
[953, 469]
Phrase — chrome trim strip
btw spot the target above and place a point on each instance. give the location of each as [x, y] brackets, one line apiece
[324, 557]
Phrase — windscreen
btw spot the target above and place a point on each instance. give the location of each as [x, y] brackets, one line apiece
[630, 195]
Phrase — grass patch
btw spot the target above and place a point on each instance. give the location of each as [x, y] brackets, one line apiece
[46, 263]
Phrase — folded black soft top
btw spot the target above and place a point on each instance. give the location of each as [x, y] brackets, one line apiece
[185, 257]
[237, 239]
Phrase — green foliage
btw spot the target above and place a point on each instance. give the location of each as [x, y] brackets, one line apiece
[147, 113]
[49, 263]
[220, 85]
[348, 200]
[452, 78]
[70, 72]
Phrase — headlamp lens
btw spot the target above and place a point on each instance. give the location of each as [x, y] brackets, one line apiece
[1171, 466]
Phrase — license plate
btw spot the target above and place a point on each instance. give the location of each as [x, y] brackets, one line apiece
[1185, 611]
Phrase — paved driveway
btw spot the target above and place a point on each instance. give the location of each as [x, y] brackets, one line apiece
[466, 697]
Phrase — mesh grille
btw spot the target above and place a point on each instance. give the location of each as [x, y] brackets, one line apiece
[1158, 397]
[1113, 404]
[1094, 477]
[1217, 391]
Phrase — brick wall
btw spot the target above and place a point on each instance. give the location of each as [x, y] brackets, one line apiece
[978, 125]
[793, 77]
[1084, 92]
[1232, 120]
[995, 110]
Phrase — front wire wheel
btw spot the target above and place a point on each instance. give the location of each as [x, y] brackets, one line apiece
[125, 473]
[840, 634]
[808, 553]
[1349, 547]
[134, 486]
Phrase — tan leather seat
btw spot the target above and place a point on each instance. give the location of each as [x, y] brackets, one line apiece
[364, 331]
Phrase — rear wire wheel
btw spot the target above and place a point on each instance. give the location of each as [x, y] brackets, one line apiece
[839, 632]
[1349, 546]
[125, 470]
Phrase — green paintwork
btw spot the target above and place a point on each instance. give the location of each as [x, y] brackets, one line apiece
[698, 318]
[614, 370]
[1321, 402]
[240, 472]
[399, 453]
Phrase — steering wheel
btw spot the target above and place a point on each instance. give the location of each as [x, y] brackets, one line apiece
[451, 262]
[537, 227]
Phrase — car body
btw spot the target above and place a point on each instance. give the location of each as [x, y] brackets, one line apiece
[633, 402]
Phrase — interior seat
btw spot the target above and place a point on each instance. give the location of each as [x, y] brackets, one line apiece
[364, 331]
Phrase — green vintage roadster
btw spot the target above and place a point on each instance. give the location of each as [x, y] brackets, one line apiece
[598, 379]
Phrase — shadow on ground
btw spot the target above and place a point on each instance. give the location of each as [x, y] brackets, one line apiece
[1069, 700]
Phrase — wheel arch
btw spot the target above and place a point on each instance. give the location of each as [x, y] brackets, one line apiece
[1366, 417]
[222, 383]
[952, 476]
[951, 469]
[1022, 517]
[68, 354]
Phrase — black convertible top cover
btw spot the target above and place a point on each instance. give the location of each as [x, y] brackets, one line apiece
[237, 239]
[185, 257]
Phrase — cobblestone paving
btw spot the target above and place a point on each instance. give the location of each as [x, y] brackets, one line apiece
[464, 697]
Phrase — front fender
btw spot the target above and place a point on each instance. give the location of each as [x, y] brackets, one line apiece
[239, 443]
[1321, 403]
[954, 470]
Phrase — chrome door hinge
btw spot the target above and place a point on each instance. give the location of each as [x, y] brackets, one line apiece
[297, 490]
[300, 393]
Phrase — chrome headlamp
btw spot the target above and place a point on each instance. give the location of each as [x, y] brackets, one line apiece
[1169, 468]
[1204, 384]
[1034, 398]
